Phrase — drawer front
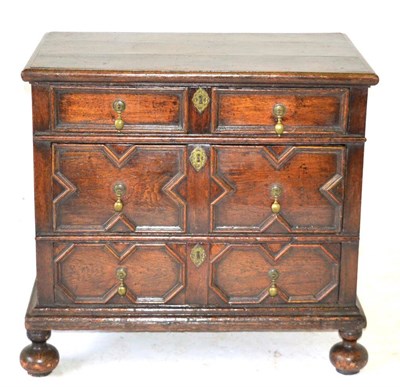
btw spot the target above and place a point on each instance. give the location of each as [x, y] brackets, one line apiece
[119, 273]
[310, 189]
[157, 191]
[87, 179]
[307, 110]
[274, 273]
[146, 109]
[179, 273]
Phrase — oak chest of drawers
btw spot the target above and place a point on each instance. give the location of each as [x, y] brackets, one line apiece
[197, 182]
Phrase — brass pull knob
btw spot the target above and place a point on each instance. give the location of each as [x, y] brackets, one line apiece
[119, 106]
[119, 190]
[121, 275]
[276, 191]
[279, 111]
[273, 274]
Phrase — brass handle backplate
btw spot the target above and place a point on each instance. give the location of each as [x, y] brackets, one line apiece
[273, 274]
[121, 275]
[279, 111]
[119, 106]
[119, 190]
[276, 192]
[198, 158]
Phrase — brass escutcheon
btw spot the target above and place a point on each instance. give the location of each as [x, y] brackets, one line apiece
[279, 111]
[198, 255]
[273, 274]
[121, 274]
[119, 106]
[200, 100]
[198, 158]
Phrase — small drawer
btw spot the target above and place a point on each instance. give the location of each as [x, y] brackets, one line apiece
[319, 111]
[271, 273]
[119, 273]
[136, 109]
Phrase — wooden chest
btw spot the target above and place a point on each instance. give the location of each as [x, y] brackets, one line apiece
[197, 182]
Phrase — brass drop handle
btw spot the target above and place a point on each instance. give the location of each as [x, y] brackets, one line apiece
[279, 111]
[276, 191]
[119, 190]
[121, 275]
[119, 106]
[273, 274]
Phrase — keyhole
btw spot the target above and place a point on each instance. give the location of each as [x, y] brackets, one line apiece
[201, 100]
[199, 158]
[198, 255]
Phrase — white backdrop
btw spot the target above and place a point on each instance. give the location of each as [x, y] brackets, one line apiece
[241, 359]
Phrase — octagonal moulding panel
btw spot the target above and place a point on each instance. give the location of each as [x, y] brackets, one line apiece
[239, 274]
[308, 273]
[155, 273]
[86, 273]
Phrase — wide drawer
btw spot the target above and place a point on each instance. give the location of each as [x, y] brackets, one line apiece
[117, 188]
[152, 109]
[187, 273]
[308, 110]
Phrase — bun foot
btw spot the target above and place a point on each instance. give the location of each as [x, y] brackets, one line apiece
[39, 358]
[349, 357]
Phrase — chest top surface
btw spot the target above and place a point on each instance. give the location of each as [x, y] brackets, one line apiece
[168, 57]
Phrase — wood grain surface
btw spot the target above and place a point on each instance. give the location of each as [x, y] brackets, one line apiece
[280, 58]
[170, 208]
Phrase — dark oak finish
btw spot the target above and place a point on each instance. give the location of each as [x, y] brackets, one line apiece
[244, 176]
[237, 273]
[199, 123]
[308, 273]
[195, 318]
[308, 110]
[151, 175]
[39, 358]
[349, 357]
[222, 211]
[86, 273]
[152, 109]
[132, 57]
